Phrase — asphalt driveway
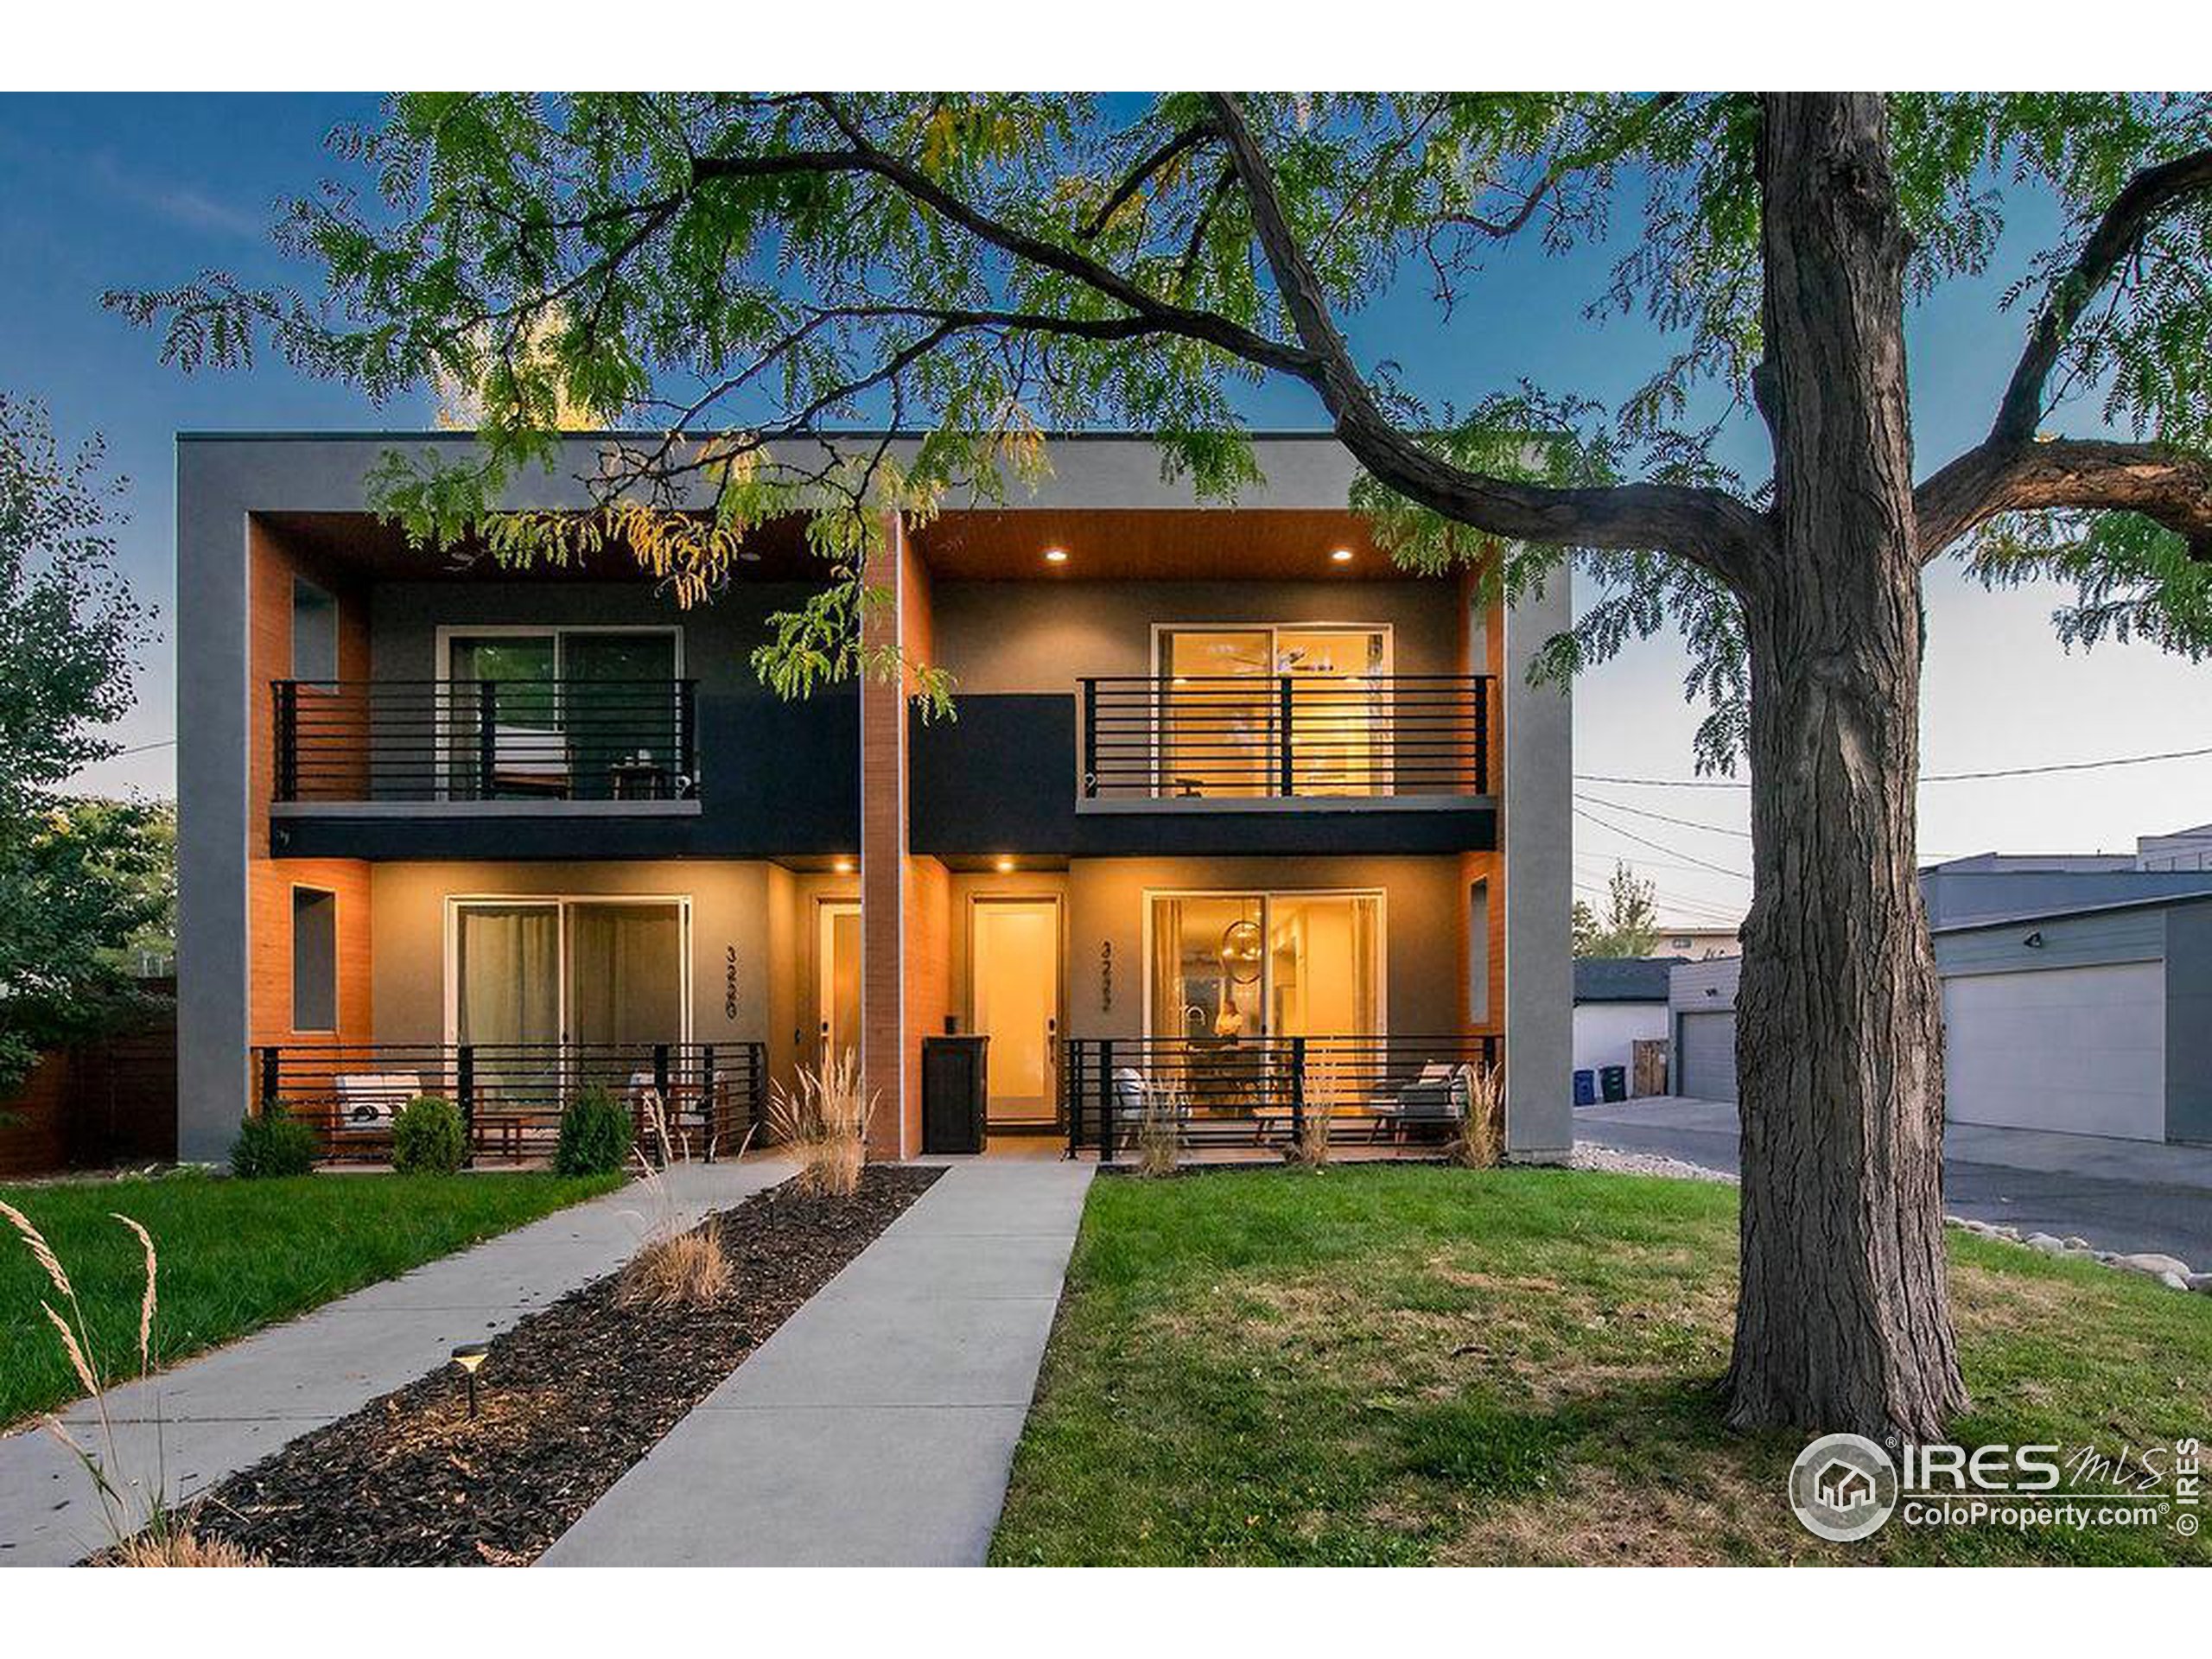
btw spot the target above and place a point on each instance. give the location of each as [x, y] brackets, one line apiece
[2120, 1195]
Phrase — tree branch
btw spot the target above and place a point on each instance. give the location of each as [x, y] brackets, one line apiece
[2145, 198]
[1710, 527]
[2170, 487]
[864, 157]
[1192, 136]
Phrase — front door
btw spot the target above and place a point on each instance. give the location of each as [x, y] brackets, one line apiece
[1014, 966]
[837, 983]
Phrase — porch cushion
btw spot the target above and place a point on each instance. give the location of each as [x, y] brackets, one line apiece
[367, 1101]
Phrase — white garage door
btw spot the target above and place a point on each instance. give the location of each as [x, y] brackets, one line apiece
[2078, 1049]
[1708, 1057]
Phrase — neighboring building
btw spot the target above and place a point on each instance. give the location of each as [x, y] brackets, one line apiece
[1618, 1001]
[2004, 884]
[1695, 943]
[1219, 805]
[2077, 993]
[2095, 1019]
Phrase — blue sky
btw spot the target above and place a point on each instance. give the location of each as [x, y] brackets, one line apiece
[121, 191]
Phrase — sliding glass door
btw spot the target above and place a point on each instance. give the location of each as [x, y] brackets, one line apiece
[570, 713]
[1230, 966]
[1267, 709]
[535, 979]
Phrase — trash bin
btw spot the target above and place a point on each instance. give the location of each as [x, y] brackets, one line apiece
[1585, 1088]
[954, 1098]
[1613, 1082]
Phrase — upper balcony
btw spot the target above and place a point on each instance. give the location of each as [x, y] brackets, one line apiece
[1151, 743]
[624, 745]
[1271, 766]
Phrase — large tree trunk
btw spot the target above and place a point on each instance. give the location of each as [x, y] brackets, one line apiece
[1844, 1321]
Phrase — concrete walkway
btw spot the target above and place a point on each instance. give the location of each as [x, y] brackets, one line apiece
[231, 1407]
[2120, 1195]
[877, 1425]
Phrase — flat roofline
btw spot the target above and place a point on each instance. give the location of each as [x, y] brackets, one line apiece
[2156, 901]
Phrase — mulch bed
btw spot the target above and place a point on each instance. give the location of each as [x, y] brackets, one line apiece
[570, 1399]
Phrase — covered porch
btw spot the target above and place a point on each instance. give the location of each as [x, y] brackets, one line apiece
[512, 988]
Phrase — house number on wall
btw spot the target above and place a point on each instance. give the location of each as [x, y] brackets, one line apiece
[1106, 977]
[729, 981]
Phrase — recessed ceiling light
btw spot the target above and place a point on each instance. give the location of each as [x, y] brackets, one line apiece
[1056, 556]
[1004, 865]
[1342, 556]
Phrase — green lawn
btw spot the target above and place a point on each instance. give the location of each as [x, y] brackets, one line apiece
[1410, 1365]
[234, 1255]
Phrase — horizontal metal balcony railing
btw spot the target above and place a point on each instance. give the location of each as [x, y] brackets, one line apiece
[361, 740]
[1214, 737]
[510, 1095]
[1403, 1092]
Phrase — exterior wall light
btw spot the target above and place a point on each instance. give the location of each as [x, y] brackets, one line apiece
[470, 1356]
[1003, 864]
[1056, 556]
[1342, 556]
[843, 866]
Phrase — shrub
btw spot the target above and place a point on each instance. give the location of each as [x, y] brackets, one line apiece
[427, 1137]
[1480, 1142]
[595, 1135]
[1160, 1130]
[275, 1143]
[824, 1124]
[674, 1267]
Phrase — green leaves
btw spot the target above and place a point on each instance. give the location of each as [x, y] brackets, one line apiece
[761, 283]
[2132, 578]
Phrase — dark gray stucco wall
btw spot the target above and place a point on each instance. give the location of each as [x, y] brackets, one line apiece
[718, 637]
[1043, 636]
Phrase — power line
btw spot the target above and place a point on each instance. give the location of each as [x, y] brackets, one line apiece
[1926, 778]
[1686, 823]
[1659, 847]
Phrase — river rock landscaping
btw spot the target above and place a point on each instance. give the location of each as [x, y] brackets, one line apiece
[570, 1399]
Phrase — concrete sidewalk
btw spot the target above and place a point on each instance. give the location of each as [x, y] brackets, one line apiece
[219, 1414]
[2120, 1195]
[877, 1425]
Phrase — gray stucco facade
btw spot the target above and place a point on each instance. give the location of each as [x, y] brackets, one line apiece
[225, 482]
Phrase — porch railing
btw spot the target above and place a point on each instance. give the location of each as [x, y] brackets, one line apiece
[1398, 1092]
[353, 740]
[510, 1095]
[1212, 737]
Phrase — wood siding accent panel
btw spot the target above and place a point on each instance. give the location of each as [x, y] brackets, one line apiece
[273, 566]
[894, 1130]
[1482, 651]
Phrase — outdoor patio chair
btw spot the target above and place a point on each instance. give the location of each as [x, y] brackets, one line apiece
[1436, 1099]
[368, 1101]
[1131, 1090]
[529, 761]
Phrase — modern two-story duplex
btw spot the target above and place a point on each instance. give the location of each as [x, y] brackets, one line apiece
[1230, 805]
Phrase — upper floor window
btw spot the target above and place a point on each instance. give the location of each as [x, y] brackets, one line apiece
[314, 959]
[578, 713]
[1247, 705]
